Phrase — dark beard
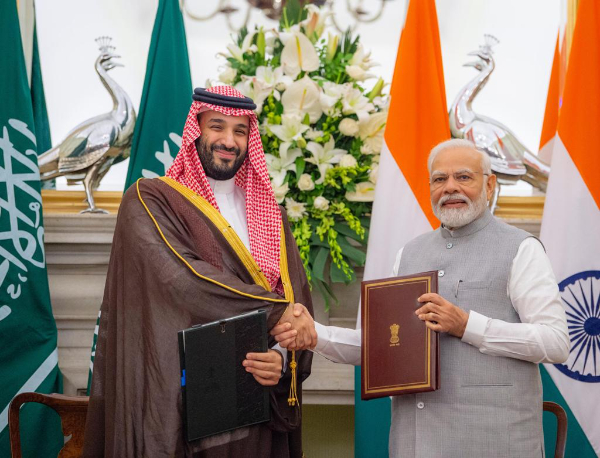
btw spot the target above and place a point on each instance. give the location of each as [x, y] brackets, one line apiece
[206, 153]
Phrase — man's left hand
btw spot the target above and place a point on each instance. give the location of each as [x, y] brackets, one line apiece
[441, 315]
[265, 367]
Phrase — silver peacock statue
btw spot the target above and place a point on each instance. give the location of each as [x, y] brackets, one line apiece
[93, 146]
[511, 160]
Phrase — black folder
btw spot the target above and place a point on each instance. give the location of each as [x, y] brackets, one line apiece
[218, 394]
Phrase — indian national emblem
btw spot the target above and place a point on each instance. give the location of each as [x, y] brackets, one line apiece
[394, 340]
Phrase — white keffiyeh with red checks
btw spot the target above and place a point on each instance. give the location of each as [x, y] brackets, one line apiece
[262, 211]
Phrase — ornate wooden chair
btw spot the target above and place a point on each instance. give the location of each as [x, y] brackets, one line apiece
[561, 427]
[72, 411]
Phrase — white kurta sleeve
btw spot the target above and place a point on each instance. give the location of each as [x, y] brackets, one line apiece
[342, 345]
[542, 336]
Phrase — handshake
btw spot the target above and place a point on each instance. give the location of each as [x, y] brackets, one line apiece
[296, 329]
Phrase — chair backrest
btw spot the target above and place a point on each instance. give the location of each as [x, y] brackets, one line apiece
[72, 411]
[561, 428]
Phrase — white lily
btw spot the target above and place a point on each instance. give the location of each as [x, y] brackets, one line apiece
[324, 156]
[255, 89]
[371, 130]
[279, 166]
[313, 134]
[270, 41]
[273, 77]
[331, 94]
[354, 102]
[303, 97]
[280, 191]
[238, 52]
[287, 33]
[290, 129]
[315, 22]
[227, 75]
[373, 173]
[299, 54]
[332, 45]
[358, 73]
[365, 192]
[381, 102]
[373, 125]
[362, 58]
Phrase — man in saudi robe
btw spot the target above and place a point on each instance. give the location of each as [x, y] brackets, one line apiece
[206, 242]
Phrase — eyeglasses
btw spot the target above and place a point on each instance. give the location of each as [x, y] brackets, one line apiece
[464, 178]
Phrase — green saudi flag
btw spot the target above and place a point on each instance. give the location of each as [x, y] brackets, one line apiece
[38, 101]
[166, 100]
[28, 355]
[166, 97]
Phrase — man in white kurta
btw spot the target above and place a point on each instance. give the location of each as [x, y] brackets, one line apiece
[508, 314]
[541, 337]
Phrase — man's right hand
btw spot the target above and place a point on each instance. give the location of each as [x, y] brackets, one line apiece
[296, 329]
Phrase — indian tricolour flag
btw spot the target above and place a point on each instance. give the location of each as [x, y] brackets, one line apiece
[553, 103]
[417, 121]
[571, 235]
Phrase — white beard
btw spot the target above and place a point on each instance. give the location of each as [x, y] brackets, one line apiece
[453, 218]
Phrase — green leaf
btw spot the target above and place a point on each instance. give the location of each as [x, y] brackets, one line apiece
[316, 241]
[344, 229]
[293, 13]
[337, 275]
[318, 267]
[242, 35]
[353, 253]
[330, 292]
[326, 293]
[261, 44]
[300, 164]
[312, 255]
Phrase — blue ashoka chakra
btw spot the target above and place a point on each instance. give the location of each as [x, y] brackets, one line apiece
[581, 297]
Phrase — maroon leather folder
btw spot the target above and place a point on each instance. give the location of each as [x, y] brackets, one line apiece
[400, 355]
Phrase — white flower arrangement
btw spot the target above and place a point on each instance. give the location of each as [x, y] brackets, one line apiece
[322, 132]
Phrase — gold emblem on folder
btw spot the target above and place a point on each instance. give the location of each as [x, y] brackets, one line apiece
[394, 340]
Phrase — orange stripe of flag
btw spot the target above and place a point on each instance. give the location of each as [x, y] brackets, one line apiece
[418, 117]
[579, 122]
[552, 101]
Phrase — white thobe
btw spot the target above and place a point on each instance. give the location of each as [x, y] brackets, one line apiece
[231, 201]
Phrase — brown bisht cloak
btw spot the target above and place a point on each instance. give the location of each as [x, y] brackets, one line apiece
[171, 268]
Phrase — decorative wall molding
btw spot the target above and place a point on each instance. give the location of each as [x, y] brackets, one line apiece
[71, 202]
[513, 207]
